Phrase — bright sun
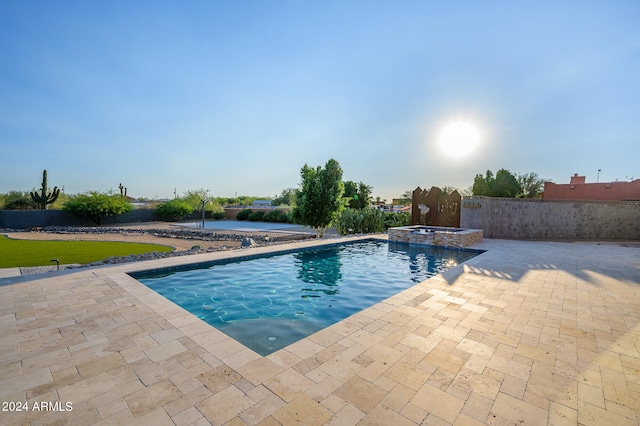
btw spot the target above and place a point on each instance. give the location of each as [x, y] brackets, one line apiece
[459, 138]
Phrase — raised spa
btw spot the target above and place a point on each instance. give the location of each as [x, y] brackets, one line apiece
[435, 235]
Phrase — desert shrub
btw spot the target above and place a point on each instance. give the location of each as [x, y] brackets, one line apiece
[278, 215]
[393, 219]
[348, 222]
[360, 221]
[96, 206]
[173, 209]
[256, 216]
[16, 200]
[214, 211]
[243, 214]
[372, 221]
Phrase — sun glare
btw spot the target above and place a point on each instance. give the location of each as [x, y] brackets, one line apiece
[459, 138]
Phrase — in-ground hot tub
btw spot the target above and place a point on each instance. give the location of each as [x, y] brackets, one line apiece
[435, 235]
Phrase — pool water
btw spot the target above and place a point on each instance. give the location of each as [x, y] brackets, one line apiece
[271, 301]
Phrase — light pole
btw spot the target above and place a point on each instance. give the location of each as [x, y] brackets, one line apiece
[203, 202]
[598, 178]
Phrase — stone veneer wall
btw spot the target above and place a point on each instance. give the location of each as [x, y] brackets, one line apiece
[551, 219]
[440, 238]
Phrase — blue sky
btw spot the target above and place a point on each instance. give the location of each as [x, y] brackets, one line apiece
[235, 96]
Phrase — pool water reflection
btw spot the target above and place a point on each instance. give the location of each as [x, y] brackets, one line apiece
[271, 301]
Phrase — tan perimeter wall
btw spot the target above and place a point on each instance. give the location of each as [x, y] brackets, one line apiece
[551, 219]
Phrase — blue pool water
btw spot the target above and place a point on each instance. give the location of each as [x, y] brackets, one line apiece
[271, 301]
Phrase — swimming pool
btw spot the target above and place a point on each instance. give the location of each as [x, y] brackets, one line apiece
[270, 301]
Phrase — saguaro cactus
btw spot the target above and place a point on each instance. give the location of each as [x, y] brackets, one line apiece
[45, 198]
[123, 191]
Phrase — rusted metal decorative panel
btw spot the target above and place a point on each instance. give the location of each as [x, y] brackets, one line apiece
[435, 208]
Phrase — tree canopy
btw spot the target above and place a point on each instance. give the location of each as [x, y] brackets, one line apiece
[174, 209]
[531, 185]
[357, 195]
[504, 184]
[319, 198]
[16, 200]
[287, 198]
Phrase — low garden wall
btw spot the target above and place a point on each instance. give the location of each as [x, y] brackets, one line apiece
[551, 219]
[24, 219]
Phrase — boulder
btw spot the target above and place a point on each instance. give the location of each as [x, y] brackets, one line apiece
[248, 242]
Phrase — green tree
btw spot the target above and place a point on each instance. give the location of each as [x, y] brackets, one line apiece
[531, 185]
[357, 195]
[96, 206]
[16, 200]
[194, 197]
[483, 185]
[286, 198]
[319, 199]
[350, 189]
[174, 209]
[506, 185]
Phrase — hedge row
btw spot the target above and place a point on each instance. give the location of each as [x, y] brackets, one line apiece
[277, 215]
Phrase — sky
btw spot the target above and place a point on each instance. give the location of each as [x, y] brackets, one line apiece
[236, 96]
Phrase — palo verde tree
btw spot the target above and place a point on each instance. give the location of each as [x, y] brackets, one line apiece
[319, 199]
[44, 198]
[174, 209]
[96, 206]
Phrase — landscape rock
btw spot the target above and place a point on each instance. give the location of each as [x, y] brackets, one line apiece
[248, 242]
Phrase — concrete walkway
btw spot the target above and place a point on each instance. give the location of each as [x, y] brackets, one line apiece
[526, 333]
[9, 272]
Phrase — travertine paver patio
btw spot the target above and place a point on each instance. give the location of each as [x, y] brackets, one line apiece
[526, 333]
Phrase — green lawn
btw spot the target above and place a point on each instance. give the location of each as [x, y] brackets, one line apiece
[22, 253]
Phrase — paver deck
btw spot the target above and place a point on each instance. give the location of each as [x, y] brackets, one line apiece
[526, 333]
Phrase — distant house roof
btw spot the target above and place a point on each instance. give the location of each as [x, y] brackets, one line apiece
[578, 189]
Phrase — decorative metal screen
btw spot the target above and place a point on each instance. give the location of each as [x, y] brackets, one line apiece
[435, 208]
